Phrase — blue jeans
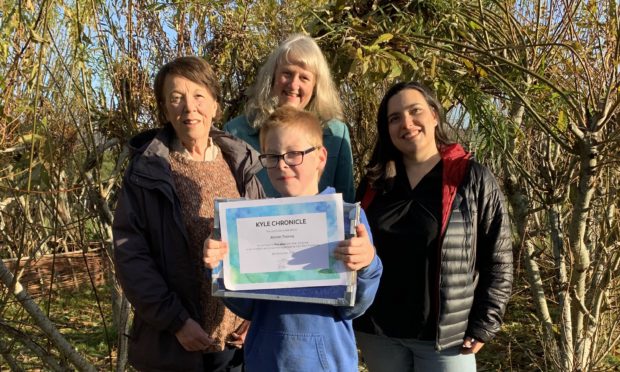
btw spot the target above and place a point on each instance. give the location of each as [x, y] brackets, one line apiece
[382, 353]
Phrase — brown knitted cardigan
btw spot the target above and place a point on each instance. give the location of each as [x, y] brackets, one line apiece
[197, 184]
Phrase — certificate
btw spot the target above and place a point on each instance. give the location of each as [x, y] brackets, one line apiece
[283, 242]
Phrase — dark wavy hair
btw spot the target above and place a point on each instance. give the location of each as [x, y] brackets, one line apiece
[381, 168]
[193, 68]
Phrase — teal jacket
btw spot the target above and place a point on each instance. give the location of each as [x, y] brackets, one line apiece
[338, 171]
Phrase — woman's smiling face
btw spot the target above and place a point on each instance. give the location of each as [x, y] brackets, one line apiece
[293, 84]
[411, 123]
[190, 108]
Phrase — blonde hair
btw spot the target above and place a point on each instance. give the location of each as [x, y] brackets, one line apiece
[291, 117]
[300, 50]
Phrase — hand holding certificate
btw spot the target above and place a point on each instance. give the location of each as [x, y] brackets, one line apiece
[283, 243]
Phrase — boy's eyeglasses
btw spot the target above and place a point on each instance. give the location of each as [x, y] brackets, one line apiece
[291, 158]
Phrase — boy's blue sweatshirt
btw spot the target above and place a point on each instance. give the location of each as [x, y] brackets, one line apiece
[294, 336]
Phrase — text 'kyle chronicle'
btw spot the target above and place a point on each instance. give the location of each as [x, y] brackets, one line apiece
[286, 222]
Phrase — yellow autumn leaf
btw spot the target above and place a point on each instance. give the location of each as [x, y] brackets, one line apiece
[383, 38]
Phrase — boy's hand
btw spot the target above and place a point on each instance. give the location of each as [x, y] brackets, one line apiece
[213, 252]
[237, 338]
[357, 252]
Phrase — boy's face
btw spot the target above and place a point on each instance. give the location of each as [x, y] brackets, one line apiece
[297, 180]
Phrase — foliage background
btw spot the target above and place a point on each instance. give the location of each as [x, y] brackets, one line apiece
[530, 87]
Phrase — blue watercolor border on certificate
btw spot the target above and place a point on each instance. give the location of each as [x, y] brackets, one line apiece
[329, 208]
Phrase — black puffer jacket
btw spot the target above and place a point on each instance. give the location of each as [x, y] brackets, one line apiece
[151, 254]
[475, 259]
[475, 278]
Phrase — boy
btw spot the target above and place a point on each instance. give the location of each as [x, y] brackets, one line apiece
[291, 336]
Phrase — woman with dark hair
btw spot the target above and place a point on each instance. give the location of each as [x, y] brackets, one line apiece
[163, 216]
[442, 231]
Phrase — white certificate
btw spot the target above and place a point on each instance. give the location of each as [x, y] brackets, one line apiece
[282, 243]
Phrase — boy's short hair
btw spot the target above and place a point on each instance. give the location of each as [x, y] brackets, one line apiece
[291, 117]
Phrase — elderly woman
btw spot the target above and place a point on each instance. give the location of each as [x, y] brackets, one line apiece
[297, 74]
[442, 231]
[164, 215]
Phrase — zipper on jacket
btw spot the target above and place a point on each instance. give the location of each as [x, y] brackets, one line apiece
[438, 293]
[439, 261]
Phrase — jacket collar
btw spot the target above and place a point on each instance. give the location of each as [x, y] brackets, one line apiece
[453, 151]
[151, 150]
[237, 153]
[455, 165]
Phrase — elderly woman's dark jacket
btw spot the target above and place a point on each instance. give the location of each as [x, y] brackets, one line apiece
[151, 253]
[475, 256]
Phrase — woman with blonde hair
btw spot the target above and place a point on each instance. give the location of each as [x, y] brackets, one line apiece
[297, 74]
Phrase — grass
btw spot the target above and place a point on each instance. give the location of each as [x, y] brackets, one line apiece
[77, 316]
[80, 320]
[517, 346]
